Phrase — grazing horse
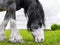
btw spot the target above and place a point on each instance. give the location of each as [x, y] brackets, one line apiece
[33, 10]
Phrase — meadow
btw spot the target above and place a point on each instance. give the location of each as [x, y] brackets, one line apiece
[51, 38]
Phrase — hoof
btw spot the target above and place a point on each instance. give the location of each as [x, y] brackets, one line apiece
[16, 40]
[2, 38]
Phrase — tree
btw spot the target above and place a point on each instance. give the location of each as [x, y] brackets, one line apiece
[54, 27]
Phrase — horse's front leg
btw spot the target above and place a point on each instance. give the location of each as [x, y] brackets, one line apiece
[14, 36]
[3, 26]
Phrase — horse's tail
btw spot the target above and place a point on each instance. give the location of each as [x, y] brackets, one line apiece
[41, 12]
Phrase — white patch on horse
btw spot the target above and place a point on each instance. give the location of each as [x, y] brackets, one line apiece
[2, 30]
[38, 35]
[14, 37]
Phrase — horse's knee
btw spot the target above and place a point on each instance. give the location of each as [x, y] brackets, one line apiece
[12, 23]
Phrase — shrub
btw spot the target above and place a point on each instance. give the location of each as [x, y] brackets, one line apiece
[54, 27]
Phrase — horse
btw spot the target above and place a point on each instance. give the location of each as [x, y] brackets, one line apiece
[33, 11]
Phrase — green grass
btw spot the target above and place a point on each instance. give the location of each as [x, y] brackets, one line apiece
[51, 38]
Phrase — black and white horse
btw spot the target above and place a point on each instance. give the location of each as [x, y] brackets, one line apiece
[33, 10]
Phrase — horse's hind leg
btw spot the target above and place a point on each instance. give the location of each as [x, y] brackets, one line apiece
[14, 36]
[3, 26]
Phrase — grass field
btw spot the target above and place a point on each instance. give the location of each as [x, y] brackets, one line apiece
[51, 38]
